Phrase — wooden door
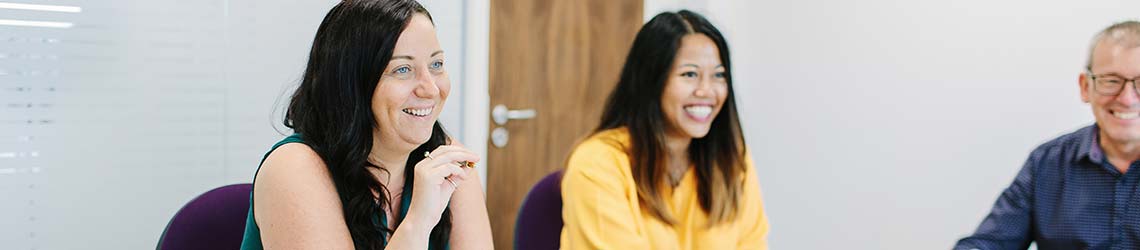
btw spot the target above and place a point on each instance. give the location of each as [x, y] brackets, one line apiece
[560, 58]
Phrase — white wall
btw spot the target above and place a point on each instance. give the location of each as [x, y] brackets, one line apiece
[875, 124]
[883, 124]
[142, 105]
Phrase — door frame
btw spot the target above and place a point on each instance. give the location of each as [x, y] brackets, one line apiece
[476, 95]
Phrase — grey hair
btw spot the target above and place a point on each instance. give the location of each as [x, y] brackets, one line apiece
[1126, 33]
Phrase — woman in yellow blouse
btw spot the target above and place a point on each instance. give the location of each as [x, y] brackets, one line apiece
[667, 168]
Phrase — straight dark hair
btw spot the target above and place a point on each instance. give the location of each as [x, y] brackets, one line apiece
[332, 110]
[635, 104]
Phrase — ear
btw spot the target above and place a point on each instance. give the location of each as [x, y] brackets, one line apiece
[1083, 81]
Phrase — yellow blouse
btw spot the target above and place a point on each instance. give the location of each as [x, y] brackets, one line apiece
[601, 210]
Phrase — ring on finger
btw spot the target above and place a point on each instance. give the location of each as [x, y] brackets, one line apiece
[427, 154]
[466, 164]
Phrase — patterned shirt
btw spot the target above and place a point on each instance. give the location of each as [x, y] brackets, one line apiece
[1067, 196]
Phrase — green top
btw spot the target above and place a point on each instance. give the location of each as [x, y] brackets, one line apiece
[252, 238]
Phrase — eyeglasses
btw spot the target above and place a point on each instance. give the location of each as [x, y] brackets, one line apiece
[1111, 85]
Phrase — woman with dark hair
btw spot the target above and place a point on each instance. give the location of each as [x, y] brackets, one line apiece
[369, 166]
[667, 168]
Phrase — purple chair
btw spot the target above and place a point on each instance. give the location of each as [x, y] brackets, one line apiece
[539, 225]
[213, 220]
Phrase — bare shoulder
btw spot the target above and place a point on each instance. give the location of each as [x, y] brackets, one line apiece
[293, 170]
[293, 162]
[295, 200]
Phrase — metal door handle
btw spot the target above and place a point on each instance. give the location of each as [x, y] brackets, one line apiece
[501, 114]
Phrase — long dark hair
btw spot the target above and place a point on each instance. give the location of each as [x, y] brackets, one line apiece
[332, 110]
[635, 104]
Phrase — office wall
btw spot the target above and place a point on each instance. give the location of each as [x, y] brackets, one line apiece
[875, 124]
[109, 124]
[884, 124]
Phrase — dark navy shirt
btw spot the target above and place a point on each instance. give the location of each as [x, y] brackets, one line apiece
[1067, 196]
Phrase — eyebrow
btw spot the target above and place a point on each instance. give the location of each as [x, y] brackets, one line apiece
[695, 66]
[433, 54]
[1113, 74]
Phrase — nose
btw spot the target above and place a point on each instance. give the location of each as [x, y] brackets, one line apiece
[704, 87]
[425, 84]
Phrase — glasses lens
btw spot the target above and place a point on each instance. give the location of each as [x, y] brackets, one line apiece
[1109, 85]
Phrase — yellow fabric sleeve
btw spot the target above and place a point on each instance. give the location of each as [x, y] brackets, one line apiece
[753, 221]
[599, 207]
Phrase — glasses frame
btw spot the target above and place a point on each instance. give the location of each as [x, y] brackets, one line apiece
[1135, 84]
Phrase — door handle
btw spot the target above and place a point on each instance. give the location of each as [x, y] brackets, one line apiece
[501, 114]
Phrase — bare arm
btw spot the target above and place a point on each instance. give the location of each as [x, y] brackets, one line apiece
[295, 202]
[431, 195]
[471, 227]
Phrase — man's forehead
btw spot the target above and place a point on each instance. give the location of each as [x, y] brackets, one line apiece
[1108, 51]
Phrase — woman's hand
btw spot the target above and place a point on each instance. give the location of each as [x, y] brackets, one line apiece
[435, 179]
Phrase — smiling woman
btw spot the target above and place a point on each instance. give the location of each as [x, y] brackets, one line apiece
[369, 166]
[667, 168]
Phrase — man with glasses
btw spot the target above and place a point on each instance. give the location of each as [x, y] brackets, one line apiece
[1078, 191]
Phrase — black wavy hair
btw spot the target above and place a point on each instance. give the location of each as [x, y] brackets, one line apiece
[332, 110]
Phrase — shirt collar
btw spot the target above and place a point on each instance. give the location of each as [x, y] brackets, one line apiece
[1090, 145]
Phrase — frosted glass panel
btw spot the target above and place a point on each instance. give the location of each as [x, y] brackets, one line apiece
[113, 114]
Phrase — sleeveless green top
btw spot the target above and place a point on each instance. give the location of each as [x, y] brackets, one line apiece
[252, 237]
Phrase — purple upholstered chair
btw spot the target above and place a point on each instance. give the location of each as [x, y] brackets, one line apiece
[539, 225]
[213, 220]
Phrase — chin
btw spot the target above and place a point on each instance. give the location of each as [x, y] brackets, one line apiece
[697, 133]
[417, 141]
[1123, 134]
[1109, 127]
[419, 137]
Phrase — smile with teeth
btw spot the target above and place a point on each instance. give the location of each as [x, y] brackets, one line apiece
[699, 111]
[1126, 115]
[418, 112]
